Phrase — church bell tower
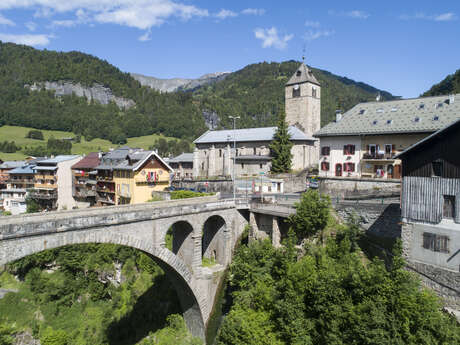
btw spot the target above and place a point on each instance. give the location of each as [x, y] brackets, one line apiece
[303, 105]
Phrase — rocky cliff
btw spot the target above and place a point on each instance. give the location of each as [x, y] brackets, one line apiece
[96, 92]
[177, 84]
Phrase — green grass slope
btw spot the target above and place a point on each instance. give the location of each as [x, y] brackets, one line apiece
[17, 134]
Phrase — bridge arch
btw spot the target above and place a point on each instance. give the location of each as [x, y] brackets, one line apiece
[194, 305]
[182, 243]
[213, 239]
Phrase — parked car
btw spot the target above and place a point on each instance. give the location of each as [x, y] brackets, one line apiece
[312, 182]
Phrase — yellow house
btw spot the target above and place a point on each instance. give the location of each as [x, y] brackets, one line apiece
[140, 174]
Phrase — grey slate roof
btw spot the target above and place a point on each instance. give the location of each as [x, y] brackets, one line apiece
[416, 115]
[57, 159]
[248, 135]
[126, 158]
[11, 164]
[183, 157]
[26, 169]
[302, 75]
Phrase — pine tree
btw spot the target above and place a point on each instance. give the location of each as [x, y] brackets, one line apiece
[280, 147]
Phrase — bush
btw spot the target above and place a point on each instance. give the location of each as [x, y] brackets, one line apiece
[312, 214]
[185, 194]
[35, 134]
[51, 337]
[9, 147]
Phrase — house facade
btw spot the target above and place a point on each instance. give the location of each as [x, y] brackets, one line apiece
[182, 165]
[364, 142]
[430, 207]
[215, 155]
[84, 180]
[129, 176]
[53, 183]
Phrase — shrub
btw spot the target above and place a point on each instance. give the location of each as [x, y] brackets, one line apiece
[35, 134]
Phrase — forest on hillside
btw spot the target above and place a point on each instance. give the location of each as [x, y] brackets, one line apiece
[256, 93]
[449, 85]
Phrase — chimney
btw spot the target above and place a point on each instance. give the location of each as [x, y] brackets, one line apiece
[338, 115]
[451, 99]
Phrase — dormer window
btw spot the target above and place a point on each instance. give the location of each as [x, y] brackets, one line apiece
[313, 92]
[436, 118]
[417, 119]
[421, 106]
[394, 109]
[362, 111]
[374, 122]
[389, 122]
[380, 110]
[438, 105]
[296, 91]
[299, 73]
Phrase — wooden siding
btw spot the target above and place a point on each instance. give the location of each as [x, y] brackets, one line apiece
[445, 148]
[423, 198]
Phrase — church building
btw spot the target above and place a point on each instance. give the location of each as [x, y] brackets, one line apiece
[215, 154]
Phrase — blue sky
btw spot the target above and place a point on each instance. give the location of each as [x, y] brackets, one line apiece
[400, 46]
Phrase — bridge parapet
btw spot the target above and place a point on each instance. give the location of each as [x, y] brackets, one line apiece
[37, 224]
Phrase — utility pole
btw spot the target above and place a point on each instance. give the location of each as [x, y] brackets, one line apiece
[234, 118]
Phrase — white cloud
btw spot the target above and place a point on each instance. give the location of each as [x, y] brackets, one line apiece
[225, 14]
[312, 24]
[145, 37]
[30, 40]
[443, 17]
[270, 38]
[312, 35]
[141, 14]
[357, 14]
[31, 26]
[64, 23]
[6, 21]
[254, 11]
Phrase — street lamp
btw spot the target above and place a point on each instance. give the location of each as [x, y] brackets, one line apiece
[234, 118]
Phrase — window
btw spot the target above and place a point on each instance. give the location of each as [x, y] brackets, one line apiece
[255, 151]
[296, 91]
[435, 118]
[437, 168]
[298, 73]
[349, 167]
[349, 149]
[438, 105]
[325, 150]
[220, 152]
[389, 122]
[242, 165]
[394, 109]
[449, 206]
[421, 106]
[260, 166]
[389, 148]
[436, 243]
[380, 110]
[417, 119]
[362, 111]
[374, 122]
[313, 92]
[325, 166]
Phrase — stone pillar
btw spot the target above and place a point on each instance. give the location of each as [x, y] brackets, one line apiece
[197, 252]
[212, 161]
[254, 229]
[276, 234]
[228, 164]
[157, 237]
[196, 163]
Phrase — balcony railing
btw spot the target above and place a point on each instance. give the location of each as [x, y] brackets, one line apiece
[48, 195]
[380, 156]
[85, 193]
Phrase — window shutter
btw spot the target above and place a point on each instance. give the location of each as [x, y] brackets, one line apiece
[344, 149]
[393, 148]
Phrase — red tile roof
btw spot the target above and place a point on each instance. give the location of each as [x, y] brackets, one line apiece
[90, 161]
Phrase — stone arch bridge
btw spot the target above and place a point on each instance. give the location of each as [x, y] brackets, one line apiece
[200, 227]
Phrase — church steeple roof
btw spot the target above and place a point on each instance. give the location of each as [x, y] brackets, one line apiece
[302, 75]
